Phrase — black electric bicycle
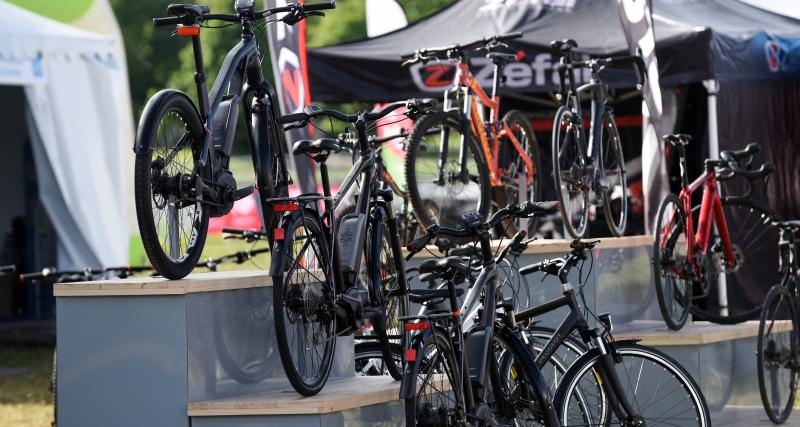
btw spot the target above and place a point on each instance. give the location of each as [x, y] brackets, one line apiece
[331, 276]
[778, 351]
[582, 164]
[615, 382]
[482, 375]
[181, 175]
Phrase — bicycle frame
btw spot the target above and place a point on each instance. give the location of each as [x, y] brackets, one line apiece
[472, 118]
[573, 99]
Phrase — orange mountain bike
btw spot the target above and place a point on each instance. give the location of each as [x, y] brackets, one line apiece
[466, 157]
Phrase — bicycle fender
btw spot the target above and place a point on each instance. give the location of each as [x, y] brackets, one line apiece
[280, 247]
[149, 114]
[408, 382]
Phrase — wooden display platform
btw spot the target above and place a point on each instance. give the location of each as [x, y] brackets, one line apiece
[194, 283]
[656, 333]
[338, 395]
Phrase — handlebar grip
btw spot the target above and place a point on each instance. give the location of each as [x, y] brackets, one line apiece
[293, 118]
[533, 268]
[508, 36]
[319, 6]
[168, 21]
[420, 242]
[533, 208]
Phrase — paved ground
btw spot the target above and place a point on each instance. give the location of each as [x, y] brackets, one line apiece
[749, 416]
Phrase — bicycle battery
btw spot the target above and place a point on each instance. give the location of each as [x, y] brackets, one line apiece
[225, 124]
[478, 349]
[351, 236]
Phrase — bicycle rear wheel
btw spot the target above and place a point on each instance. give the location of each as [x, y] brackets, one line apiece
[613, 186]
[305, 324]
[514, 170]
[657, 387]
[440, 194]
[169, 204]
[569, 173]
[777, 354]
[370, 358]
[670, 264]
[438, 399]
[754, 237]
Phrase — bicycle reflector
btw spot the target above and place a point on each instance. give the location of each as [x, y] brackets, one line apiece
[411, 355]
[287, 207]
[279, 233]
[418, 326]
[188, 30]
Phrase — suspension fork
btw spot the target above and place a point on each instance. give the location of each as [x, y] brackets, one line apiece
[466, 128]
[444, 135]
[610, 381]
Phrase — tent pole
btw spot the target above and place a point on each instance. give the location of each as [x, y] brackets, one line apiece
[712, 88]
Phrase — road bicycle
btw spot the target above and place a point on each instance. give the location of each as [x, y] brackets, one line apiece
[693, 266]
[465, 157]
[332, 277]
[452, 374]
[595, 164]
[778, 351]
[614, 382]
[181, 175]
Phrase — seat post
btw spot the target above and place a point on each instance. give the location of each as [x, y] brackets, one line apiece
[326, 185]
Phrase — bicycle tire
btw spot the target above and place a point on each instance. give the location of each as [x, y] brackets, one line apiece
[305, 301]
[426, 210]
[751, 224]
[665, 370]
[429, 360]
[514, 169]
[369, 358]
[178, 108]
[674, 301]
[564, 125]
[773, 354]
[569, 351]
[612, 156]
[384, 264]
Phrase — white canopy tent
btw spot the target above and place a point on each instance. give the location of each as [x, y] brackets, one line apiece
[80, 126]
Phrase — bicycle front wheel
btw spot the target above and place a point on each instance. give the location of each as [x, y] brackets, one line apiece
[670, 264]
[569, 173]
[777, 354]
[440, 187]
[305, 325]
[658, 389]
[613, 186]
[383, 264]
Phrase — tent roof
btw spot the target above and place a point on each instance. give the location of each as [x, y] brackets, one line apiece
[684, 31]
[26, 33]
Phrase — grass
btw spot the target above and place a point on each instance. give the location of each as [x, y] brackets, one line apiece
[26, 400]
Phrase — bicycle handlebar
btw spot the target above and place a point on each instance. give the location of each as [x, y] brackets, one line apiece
[429, 53]
[737, 164]
[412, 104]
[297, 12]
[4, 269]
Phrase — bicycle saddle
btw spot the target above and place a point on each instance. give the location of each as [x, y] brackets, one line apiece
[502, 57]
[451, 268]
[677, 139]
[187, 9]
[318, 149]
[421, 296]
[565, 45]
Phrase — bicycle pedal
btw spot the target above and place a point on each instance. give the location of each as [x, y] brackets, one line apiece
[241, 193]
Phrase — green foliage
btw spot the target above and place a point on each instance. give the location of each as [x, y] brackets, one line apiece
[157, 60]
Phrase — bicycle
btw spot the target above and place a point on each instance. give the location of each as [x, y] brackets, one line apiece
[691, 264]
[458, 161]
[778, 354]
[595, 164]
[320, 289]
[181, 175]
[609, 384]
[453, 376]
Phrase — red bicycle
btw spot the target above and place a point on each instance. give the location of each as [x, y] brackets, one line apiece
[694, 269]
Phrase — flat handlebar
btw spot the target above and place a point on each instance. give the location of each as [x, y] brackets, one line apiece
[305, 116]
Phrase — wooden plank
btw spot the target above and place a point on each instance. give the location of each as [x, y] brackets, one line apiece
[655, 333]
[338, 395]
[559, 246]
[200, 282]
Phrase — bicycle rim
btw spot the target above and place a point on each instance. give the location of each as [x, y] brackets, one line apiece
[777, 354]
[304, 324]
[613, 184]
[657, 387]
[569, 175]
